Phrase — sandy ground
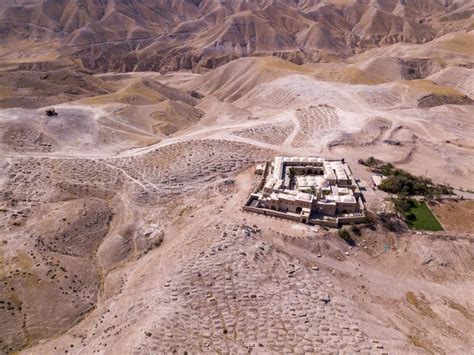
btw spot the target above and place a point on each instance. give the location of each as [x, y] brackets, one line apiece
[143, 247]
[456, 216]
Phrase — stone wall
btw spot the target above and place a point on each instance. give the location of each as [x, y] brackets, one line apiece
[271, 213]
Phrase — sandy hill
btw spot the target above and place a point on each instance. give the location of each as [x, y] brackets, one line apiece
[459, 78]
[172, 116]
[189, 34]
[234, 79]
[142, 92]
[250, 78]
[149, 107]
[409, 61]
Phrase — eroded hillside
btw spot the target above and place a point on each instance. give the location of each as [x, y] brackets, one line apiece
[150, 35]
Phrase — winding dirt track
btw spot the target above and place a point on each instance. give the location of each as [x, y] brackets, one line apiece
[202, 133]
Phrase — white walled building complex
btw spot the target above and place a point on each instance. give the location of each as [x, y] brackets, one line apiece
[311, 190]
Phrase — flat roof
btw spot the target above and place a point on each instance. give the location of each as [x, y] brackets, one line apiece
[288, 197]
[345, 198]
[311, 180]
[304, 197]
[377, 179]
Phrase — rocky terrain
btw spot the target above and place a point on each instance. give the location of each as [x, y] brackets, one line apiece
[121, 229]
[150, 35]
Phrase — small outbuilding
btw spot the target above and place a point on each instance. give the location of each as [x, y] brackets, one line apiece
[377, 179]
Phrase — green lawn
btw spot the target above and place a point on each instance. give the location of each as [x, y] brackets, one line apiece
[424, 218]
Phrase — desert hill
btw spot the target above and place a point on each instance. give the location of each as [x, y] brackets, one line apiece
[408, 61]
[457, 77]
[232, 80]
[172, 35]
[142, 92]
[246, 78]
[33, 88]
[104, 114]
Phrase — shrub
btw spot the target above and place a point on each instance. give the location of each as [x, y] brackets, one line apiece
[410, 217]
[356, 230]
[371, 219]
[399, 181]
[386, 169]
[344, 234]
[371, 161]
[403, 205]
